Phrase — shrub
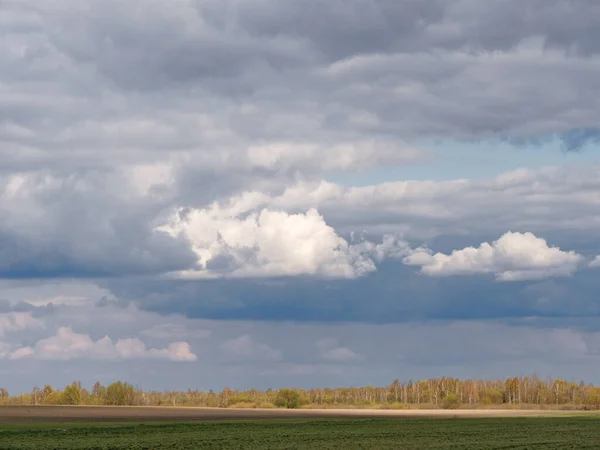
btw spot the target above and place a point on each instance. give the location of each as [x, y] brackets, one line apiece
[450, 401]
[266, 405]
[287, 398]
[396, 405]
[53, 398]
[71, 395]
[119, 394]
[243, 405]
[239, 399]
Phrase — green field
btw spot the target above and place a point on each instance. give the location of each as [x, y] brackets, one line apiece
[505, 433]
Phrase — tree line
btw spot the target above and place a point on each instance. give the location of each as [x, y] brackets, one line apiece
[445, 392]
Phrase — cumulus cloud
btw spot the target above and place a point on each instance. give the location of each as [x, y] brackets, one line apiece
[390, 247]
[68, 345]
[245, 347]
[266, 243]
[329, 350]
[513, 257]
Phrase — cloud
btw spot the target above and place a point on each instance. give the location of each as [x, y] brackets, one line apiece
[329, 350]
[245, 348]
[513, 257]
[17, 321]
[87, 232]
[68, 345]
[81, 225]
[196, 187]
[266, 243]
[574, 140]
[549, 199]
[263, 354]
[175, 331]
[269, 101]
[351, 156]
[391, 247]
[287, 77]
[595, 262]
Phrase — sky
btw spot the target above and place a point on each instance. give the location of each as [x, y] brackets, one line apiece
[271, 193]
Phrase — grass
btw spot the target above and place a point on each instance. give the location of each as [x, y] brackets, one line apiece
[506, 433]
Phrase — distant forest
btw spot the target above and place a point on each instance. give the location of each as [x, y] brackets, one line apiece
[522, 392]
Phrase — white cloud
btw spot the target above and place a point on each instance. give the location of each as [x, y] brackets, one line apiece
[68, 345]
[422, 209]
[148, 178]
[392, 247]
[350, 156]
[16, 321]
[330, 350]
[266, 243]
[23, 352]
[246, 348]
[513, 257]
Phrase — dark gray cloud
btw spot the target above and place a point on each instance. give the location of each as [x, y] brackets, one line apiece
[82, 226]
[105, 83]
[396, 294]
[342, 29]
[577, 139]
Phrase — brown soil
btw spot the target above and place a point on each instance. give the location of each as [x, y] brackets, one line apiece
[10, 415]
